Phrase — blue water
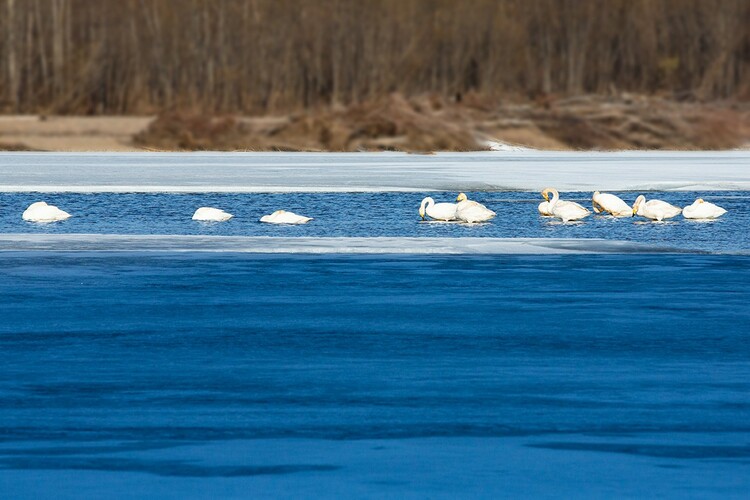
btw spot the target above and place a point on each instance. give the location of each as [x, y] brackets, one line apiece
[144, 369]
[376, 214]
[135, 374]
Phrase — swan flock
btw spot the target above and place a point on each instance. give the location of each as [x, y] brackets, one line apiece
[569, 211]
[465, 210]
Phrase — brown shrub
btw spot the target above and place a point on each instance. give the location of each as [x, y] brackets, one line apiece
[428, 123]
[193, 132]
[717, 129]
[16, 146]
[390, 123]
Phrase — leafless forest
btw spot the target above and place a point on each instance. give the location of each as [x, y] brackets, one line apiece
[259, 56]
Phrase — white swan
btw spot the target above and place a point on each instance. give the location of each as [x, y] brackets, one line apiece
[544, 206]
[41, 212]
[284, 217]
[565, 210]
[611, 204]
[437, 211]
[208, 214]
[472, 211]
[701, 209]
[655, 209]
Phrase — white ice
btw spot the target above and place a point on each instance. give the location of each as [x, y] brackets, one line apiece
[367, 172]
[310, 245]
[505, 147]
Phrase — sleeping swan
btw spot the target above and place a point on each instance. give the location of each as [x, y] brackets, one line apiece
[284, 217]
[655, 209]
[41, 212]
[472, 211]
[702, 210]
[208, 214]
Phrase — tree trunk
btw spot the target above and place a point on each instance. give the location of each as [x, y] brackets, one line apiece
[10, 55]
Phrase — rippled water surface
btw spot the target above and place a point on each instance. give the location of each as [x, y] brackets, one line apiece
[376, 214]
[430, 376]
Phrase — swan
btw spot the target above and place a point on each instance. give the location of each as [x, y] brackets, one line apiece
[208, 214]
[472, 211]
[611, 204]
[701, 209]
[544, 207]
[284, 217]
[654, 209]
[565, 210]
[437, 211]
[41, 212]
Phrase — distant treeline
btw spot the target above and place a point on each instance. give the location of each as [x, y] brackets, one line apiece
[254, 56]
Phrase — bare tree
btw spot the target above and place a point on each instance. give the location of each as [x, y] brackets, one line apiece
[139, 56]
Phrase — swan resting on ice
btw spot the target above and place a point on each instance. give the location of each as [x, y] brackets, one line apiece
[437, 211]
[565, 210]
[472, 211]
[655, 209]
[208, 214]
[701, 209]
[611, 204]
[41, 212]
[284, 217]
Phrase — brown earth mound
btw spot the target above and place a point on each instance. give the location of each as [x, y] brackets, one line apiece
[391, 123]
[15, 146]
[178, 130]
[429, 123]
[602, 123]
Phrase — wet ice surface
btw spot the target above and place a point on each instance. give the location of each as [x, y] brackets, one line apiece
[118, 243]
[346, 172]
[392, 215]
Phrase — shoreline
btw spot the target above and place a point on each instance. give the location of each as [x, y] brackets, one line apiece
[410, 124]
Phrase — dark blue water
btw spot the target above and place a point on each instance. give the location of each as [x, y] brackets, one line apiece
[234, 375]
[165, 347]
[375, 214]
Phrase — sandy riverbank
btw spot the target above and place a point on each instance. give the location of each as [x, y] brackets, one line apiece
[71, 133]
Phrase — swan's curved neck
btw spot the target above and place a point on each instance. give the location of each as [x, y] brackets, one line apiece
[555, 197]
[638, 205]
[427, 202]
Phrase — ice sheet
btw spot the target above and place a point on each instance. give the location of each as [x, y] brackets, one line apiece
[363, 172]
[303, 245]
